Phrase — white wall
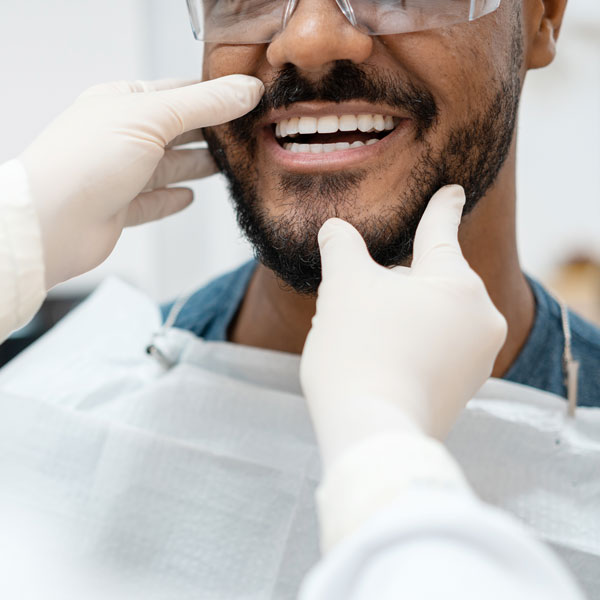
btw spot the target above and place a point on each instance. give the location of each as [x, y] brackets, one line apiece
[51, 50]
[559, 147]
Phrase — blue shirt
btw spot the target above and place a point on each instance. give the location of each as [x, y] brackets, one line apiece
[209, 312]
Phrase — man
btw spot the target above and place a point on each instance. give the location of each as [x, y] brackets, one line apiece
[199, 474]
[449, 100]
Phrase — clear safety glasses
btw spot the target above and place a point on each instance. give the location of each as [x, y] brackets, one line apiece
[259, 21]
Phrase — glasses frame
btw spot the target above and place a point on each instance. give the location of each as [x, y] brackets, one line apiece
[344, 5]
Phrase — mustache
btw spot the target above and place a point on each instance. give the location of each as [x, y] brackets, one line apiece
[345, 81]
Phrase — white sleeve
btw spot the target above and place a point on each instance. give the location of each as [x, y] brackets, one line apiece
[440, 543]
[403, 523]
[22, 277]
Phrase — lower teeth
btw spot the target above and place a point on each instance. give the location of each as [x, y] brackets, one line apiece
[320, 148]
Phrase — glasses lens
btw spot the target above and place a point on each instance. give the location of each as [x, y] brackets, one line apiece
[257, 21]
[404, 16]
[236, 21]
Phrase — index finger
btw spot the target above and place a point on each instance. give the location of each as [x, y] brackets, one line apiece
[436, 240]
[211, 102]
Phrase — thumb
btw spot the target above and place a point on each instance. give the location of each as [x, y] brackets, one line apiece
[209, 103]
[343, 249]
[436, 240]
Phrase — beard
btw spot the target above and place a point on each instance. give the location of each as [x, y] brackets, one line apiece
[472, 156]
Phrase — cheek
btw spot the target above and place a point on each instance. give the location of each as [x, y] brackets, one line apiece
[228, 151]
[221, 60]
[462, 66]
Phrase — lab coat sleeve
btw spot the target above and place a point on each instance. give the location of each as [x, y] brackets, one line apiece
[434, 540]
[22, 277]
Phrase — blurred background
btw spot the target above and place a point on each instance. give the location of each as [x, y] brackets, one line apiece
[50, 51]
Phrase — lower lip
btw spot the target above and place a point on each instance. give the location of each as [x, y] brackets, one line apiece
[304, 162]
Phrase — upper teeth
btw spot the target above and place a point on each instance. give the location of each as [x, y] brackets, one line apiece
[332, 124]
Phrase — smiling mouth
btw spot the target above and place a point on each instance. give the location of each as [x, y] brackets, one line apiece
[316, 135]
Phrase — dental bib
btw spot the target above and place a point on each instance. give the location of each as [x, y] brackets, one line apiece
[195, 478]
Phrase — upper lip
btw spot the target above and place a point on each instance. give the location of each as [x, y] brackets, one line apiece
[321, 109]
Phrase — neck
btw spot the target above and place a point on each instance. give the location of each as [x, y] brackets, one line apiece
[277, 318]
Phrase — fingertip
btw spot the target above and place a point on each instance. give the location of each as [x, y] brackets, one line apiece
[249, 88]
[455, 188]
[208, 103]
[453, 193]
[400, 270]
[331, 227]
[185, 196]
[439, 225]
[502, 329]
[247, 80]
[175, 200]
[338, 229]
[342, 248]
[444, 209]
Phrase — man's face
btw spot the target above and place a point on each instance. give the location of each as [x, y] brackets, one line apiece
[451, 94]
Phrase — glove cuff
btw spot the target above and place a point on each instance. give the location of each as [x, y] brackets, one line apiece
[373, 474]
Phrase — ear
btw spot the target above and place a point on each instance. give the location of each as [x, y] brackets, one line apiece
[544, 19]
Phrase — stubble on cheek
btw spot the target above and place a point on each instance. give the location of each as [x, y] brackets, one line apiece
[281, 213]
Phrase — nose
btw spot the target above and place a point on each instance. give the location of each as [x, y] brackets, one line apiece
[317, 34]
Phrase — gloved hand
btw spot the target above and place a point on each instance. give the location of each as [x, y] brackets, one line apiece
[104, 164]
[397, 350]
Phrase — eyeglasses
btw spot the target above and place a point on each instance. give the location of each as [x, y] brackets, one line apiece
[259, 21]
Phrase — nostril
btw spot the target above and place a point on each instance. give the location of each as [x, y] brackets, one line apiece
[316, 56]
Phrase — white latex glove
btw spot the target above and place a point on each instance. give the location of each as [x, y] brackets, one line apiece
[106, 162]
[397, 350]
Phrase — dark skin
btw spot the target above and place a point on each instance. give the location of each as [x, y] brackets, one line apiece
[457, 64]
